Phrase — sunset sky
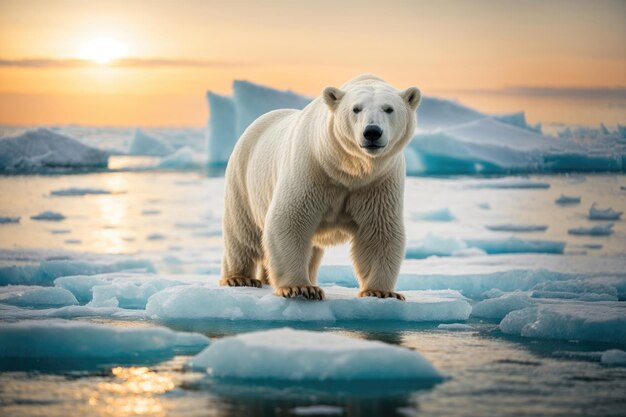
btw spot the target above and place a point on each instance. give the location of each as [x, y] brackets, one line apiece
[149, 63]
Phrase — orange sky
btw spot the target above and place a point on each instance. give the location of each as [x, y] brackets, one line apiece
[179, 49]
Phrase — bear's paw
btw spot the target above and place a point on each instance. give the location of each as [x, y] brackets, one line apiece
[381, 294]
[310, 292]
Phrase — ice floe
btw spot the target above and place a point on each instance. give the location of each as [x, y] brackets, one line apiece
[596, 213]
[51, 216]
[341, 304]
[497, 308]
[9, 220]
[36, 297]
[74, 191]
[615, 357]
[440, 215]
[455, 326]
[519, 228]
[565, 200]
[183, 159]
[598, 230]
[42, 150]
[143, 143]
[299, 355]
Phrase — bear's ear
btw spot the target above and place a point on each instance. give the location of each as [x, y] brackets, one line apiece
[332, 97]
[412, 97]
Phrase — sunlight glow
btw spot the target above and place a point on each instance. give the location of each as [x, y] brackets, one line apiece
[102, 50]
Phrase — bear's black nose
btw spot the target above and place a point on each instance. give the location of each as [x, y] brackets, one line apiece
[372, 133]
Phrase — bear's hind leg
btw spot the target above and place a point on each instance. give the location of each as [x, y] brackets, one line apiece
[242, 251]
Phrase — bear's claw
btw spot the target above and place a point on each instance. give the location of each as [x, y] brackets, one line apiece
[381, 294]
[240, 282]
[310, 292]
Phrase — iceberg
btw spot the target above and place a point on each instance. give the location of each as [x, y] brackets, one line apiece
[51, 216]
[193, 302]
[43, 150]
[615, 357]
[222, 132]
[9, 220]
[65, 192]
[36, 297]
[600, 230]
[74, 340]
[601, 321]
[253, 100]
[299, 355]
[184, 158]
[498, 308]
[565, 200]
[603, 214]
[520, 228]
[145, 144]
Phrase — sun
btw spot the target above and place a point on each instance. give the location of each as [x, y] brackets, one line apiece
[102, 50]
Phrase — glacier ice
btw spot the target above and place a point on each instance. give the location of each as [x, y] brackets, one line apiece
[520, 228]
[601, 321]
[614, 357]
[47, 215]
[598, 230]
[253, 100]
[146, 144]
[222, 132]
[74, 191]
[36, 297]
[564, 200]
[341, 304]
[72, 339]
[9, 220]
[300, 355]
[42, 150]
[596, 213]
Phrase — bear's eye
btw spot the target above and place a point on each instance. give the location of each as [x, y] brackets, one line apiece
[356, 109]
[388, 110]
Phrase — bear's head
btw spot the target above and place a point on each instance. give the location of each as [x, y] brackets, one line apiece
[370, 118]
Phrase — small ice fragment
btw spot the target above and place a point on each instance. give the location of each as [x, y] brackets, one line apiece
[155, 236]
[146, 144]
[150, 212]
[317, 410]
[7, 220]
[564, 200]
[455, 326]
[72, 241]
[603, 214]
[520, 228]
[60, 231]
[66, 192]
[600, 230]
[614, 357]
[484, 206]
[440, 215]
[48, 216]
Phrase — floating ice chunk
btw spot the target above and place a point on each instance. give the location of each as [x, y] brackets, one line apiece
[222, 132]
[497, 308]
[435, 245]
[441, 215]
[51, 216]
[155, 236]
[603, 321]
[565, 200]
[582, 289]
[73, 241]
[150, 212]
[599, 230]
[132, 295]
[7, 220]
[341, 304]
[253, 100]
[47, 271]
[510, 184]
[317, 410]
[81, 340]
[183, 158]
[36, 297]
[520, 228]
[44, 150]
[143, 143]
[455, 326]
[516, 245]
[79, 191]
[299, 355]
[614, 357]
[10, 312]
[484, 206]
[603, 214]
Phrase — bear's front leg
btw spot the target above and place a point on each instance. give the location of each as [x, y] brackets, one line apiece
[378, 243]
[289, 227]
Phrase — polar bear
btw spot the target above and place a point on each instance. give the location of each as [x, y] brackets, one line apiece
[300, 180]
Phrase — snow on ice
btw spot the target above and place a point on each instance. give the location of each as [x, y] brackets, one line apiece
[299, 355]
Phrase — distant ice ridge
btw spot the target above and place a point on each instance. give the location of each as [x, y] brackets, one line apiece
[602, 321]
[451, 138]
[148, 145]
[299, 355]
[42, 150]
[341, 304]
[435, 245]
[80, 340]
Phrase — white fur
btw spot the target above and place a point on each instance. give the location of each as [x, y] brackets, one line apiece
[298, 181]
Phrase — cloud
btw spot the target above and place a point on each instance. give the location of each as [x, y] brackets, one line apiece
[119, 63]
